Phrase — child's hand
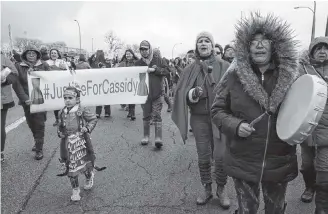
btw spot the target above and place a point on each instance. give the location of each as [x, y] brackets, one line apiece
[61, 135]
[84, 129]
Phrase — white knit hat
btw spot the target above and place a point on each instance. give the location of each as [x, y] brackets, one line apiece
[207, 35]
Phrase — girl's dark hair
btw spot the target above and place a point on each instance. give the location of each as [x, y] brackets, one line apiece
[58, 52]
[124, 56]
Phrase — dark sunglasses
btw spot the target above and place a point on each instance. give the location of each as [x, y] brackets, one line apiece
[218, 53]
[144, 49]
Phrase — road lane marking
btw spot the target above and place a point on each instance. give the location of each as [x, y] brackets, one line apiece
[15, 124]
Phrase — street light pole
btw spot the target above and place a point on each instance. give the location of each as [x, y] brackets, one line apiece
[313, 20]
[79, 33]
[327, 27]
[174, 47]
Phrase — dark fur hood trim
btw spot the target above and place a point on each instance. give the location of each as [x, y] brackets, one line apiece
[284, 55]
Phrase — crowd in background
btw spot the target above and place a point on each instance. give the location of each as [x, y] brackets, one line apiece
[220, 108]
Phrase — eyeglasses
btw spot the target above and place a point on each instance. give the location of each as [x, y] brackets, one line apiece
[218, 53]
[144, 49]
[264, 42]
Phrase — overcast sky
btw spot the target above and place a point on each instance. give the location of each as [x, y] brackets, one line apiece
[163, 23]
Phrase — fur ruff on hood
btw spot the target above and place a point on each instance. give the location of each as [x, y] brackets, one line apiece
[284, 55]
[24, 59]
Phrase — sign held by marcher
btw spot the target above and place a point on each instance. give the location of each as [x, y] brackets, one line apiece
[108, 86]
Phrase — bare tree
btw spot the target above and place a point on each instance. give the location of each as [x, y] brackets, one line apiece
[21, 43]
[5, 48]
[59, 44]
[134, 48]
[115, 44]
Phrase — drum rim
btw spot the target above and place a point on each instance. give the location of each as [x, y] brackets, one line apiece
[313, 115]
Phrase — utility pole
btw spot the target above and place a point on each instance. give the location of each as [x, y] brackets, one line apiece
[313, 22]
[327, 27]
[174, 47]
[313, 19]
[10, 39]
[79, 33]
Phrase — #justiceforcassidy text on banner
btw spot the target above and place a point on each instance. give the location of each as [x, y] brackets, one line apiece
[107, 86]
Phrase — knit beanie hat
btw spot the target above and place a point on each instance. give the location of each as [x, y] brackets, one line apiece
[207, 35]
[145, 44]
[227, 47]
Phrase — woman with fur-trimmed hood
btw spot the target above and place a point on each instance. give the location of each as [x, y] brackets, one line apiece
[256, 83]
[314, 150]
[31, 61]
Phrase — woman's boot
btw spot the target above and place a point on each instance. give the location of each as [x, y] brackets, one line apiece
[146, 128]
[309, 177]
[56, 122]
[129, 114]
[158, 135]
[168, 102]
[39, 149]
[57, 117]
[222, 194]
[206, 195]
[133, 112]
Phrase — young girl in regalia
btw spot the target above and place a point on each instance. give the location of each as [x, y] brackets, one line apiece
[76, 152]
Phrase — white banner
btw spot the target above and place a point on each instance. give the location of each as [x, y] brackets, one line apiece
[107, 86]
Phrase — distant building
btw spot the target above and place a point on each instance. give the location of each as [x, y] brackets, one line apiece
[72, 52]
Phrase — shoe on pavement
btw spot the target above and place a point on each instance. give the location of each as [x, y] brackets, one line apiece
[146, 130]
[56, 123]
[76, 194]
[98, 116]
[89, 182]
[222, 194]
[206, 195]
[38, 155]
[158, 135]
[107, 115]
[34, 148]
[308, 195]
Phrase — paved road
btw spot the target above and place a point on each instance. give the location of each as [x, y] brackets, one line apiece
[137, 179]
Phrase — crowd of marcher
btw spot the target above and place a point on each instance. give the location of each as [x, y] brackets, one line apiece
[221, 90]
